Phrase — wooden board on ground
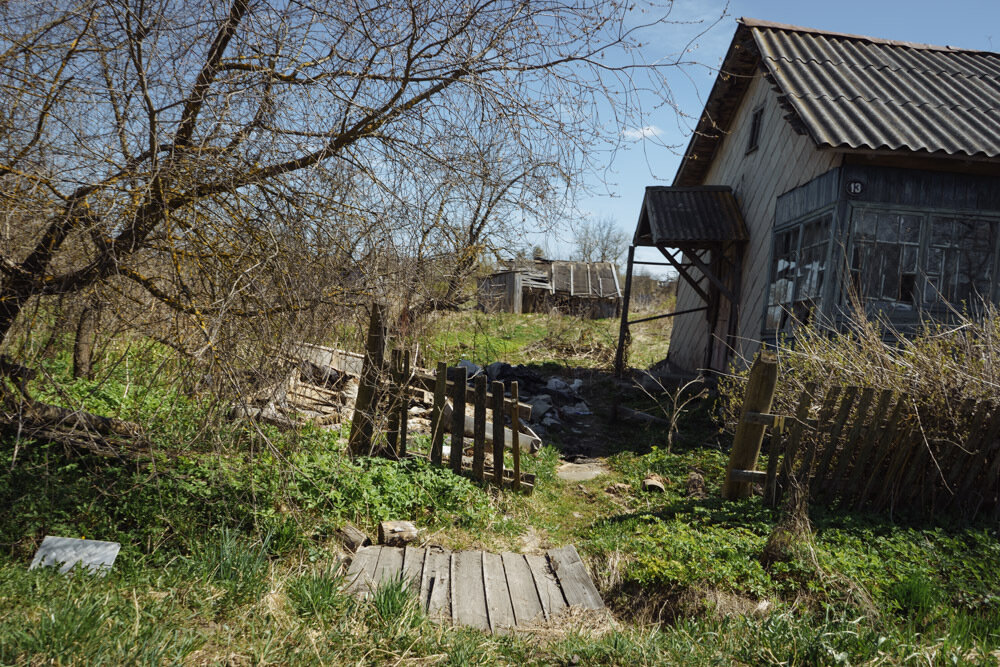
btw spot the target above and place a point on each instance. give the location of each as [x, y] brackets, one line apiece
[576, 583]
[389, 567]
[359, 575]
[550, 594]
[498, 602]
[492, 592]
[523, 595]
[468, 592]
[435, 584]
[413, 566]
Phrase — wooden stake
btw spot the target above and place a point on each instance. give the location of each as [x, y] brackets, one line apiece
[498, 438]
[395, 391]
[758, 397]
[458, 375]
[437, 412]
[515, 427]
[362, 424]
[404, 403]
[479, 429]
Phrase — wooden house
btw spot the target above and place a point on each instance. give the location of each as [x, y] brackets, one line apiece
[589, 289]
[826, 165]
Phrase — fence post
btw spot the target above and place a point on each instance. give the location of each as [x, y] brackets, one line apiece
[758, 397]
[404, 402]
[498, 436]
[458, 375]
[437, 412]
[362, 423]
[515, 433]
[392, 430]
[479, 429]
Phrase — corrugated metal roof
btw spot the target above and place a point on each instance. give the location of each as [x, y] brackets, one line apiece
[864, 93]
[855, 92]
[579, 279]
[673, 216]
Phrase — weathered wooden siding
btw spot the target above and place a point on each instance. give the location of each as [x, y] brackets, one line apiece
[782, 161]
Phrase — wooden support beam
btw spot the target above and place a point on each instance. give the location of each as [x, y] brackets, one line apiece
[764, 419]
[623, 329]
[710, 274]
[687, 276]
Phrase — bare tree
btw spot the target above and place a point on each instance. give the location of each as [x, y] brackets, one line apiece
[222, 166]
[599, 240]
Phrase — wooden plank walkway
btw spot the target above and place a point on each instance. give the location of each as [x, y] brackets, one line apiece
[492, 592]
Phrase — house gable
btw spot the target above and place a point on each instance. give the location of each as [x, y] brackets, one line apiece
[783, 160]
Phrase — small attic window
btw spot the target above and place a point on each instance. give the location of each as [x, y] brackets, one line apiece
[755, 122]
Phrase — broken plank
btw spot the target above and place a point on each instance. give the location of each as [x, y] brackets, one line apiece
[576, 583]
[413, 566]
[498, 602]
[468, 592]
[521, 586]
[435, 584]
[550, 595]
[389, 567]
[362, 570]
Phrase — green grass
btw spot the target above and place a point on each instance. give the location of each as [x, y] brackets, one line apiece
[564, 340]
[229, 555]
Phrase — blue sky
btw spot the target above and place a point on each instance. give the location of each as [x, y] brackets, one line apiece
[972, 24]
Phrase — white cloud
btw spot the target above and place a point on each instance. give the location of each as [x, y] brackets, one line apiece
[639, 133]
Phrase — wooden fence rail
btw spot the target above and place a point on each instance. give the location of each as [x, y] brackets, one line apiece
[447, 384]
[867, 448]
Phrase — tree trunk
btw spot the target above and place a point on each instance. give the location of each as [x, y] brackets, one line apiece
[83, 345]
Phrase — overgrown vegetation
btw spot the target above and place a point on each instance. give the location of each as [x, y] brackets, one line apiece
[940, 367]
[229, 553]
[566, 340]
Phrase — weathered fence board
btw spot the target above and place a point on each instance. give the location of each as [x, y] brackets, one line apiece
[870, 448]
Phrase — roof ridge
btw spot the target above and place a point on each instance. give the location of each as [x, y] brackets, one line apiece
[772, 25]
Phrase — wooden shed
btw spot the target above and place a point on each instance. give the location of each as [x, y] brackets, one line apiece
[588, 289]
[856, 164]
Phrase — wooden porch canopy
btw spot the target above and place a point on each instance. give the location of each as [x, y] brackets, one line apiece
[701, 234]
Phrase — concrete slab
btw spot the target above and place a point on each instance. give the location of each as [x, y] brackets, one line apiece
[581, 472]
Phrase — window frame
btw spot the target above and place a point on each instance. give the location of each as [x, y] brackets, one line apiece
[922, 306]
[824, 301]
[756, 125]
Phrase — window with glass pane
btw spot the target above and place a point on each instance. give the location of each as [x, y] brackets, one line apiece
[959, 263]
[784, 267]
[798, 273]
[884, 257]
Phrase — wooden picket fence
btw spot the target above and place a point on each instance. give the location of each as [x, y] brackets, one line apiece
[871, 449]
[396, 384]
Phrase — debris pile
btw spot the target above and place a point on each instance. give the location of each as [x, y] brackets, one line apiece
[554, 402]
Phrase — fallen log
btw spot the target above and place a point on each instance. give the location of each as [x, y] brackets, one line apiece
[397, 533]
[77, 429]
[49, 416]
[528, 437]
